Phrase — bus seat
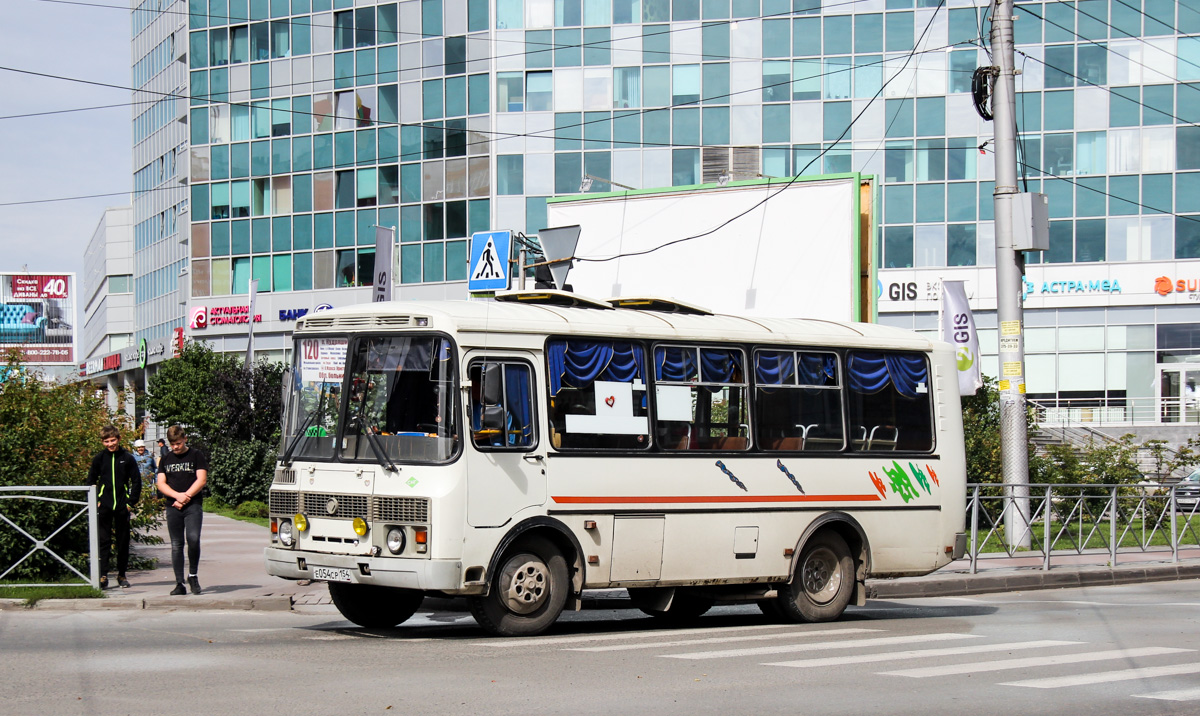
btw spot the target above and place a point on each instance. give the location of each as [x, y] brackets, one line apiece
[731, 443]
[555, 438]
[796, 443]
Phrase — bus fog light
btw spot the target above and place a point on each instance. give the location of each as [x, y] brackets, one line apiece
[360, 526]
[301, 522]
[395, 540]
[286, 536]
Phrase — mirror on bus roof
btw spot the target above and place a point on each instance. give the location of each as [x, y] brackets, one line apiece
[493, 384]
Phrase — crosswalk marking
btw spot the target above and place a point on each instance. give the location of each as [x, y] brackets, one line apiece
[921, 653]
[1104, 677]
[1175, 695]
[952, 669]
[633, 635]
[820, 646]
[723, 639]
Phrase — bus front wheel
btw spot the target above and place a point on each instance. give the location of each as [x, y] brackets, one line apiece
[821, 588]
[528, 591]
[373, 607]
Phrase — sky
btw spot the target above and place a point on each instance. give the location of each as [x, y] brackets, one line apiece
[61, 155]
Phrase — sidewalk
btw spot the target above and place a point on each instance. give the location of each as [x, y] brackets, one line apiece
[233, 576]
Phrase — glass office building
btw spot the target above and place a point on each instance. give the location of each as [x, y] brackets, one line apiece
[310, 121]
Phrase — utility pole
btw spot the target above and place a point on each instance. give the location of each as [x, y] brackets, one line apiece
[1014, 436]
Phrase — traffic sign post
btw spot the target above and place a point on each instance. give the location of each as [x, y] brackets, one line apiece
[489, 261]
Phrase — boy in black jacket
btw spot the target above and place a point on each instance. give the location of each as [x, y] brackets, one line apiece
[115, 473]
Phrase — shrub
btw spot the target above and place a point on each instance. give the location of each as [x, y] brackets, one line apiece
[253, 508]
[241, 470]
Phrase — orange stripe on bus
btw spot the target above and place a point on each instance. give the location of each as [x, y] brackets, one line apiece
[675, 499]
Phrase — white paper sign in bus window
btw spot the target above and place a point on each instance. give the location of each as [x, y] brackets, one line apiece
[614, 412]
[322, 360]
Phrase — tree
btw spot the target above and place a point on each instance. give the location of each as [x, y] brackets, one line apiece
[50, 432]
[231, 412]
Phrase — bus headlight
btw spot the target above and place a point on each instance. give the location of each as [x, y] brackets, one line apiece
[395, 540]
[360, 526]
[286, 536]
[301, 522]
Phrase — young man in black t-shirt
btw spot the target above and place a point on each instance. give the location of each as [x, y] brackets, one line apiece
[182, 474]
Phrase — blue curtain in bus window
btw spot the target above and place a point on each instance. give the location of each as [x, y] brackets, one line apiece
[872, 372]
[719, 365]
[579, 363]
[816, 369]
[774, 368]
[520, 416]
[675, 364]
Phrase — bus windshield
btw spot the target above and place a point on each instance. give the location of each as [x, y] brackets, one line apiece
[401, 389]
[310, 424]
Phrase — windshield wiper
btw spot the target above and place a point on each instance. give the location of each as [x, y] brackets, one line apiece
[376, 447]
[286, 458]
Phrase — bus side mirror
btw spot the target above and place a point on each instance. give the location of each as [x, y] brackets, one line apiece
[493, 385]
[492, 418]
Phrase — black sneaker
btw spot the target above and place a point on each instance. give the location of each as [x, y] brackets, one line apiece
[104, 582]
[178, 590]
[194, 583]
[121, 580]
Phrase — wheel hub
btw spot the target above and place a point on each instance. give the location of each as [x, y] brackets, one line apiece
[820, 576]
[526, 584]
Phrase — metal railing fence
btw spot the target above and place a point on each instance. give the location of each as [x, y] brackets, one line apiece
[1116, 411]
[1076, 519]
[87, 507]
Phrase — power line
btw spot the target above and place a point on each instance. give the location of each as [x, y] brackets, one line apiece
[1104, 46]
[1107, 89]
[548, 47]
[500, 135]
[1093, 189]
[794, 178]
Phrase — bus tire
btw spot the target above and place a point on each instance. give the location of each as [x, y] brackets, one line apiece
[823, 584]
[373, 607]
[685, 608]
[528, 590]
[771, 610]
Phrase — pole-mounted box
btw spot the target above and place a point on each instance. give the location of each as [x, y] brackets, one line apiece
[1030, 222]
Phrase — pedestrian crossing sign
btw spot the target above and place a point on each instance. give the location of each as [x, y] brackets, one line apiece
[489, 261]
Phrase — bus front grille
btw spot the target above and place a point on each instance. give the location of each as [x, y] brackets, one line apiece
[401, 509]
[285, 476]
[284, 503]
[347, 507]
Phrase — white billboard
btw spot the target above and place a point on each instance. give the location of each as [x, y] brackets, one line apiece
[37, 317]
[780, 248]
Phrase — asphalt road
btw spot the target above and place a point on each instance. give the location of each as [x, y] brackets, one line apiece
[1132, 649]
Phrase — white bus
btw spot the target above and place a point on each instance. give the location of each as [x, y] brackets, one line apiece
[520, 451]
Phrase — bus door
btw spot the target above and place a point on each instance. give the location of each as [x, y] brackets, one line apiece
[506, 469]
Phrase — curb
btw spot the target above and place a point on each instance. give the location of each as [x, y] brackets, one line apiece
[268, 604]
[966, 585]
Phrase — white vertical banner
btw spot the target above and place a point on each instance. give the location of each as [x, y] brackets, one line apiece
[385, 240]
[250, 324]
[958, 329]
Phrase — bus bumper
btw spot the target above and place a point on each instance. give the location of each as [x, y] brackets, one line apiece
[420, 574]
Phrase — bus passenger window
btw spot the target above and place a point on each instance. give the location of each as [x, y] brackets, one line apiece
[515, 399]
[597, 395]
[700, 398]
[890, 403]
[798, 401]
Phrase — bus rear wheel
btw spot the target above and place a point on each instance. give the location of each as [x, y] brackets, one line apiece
[528, 591]
[821, 588]
[374, 607]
